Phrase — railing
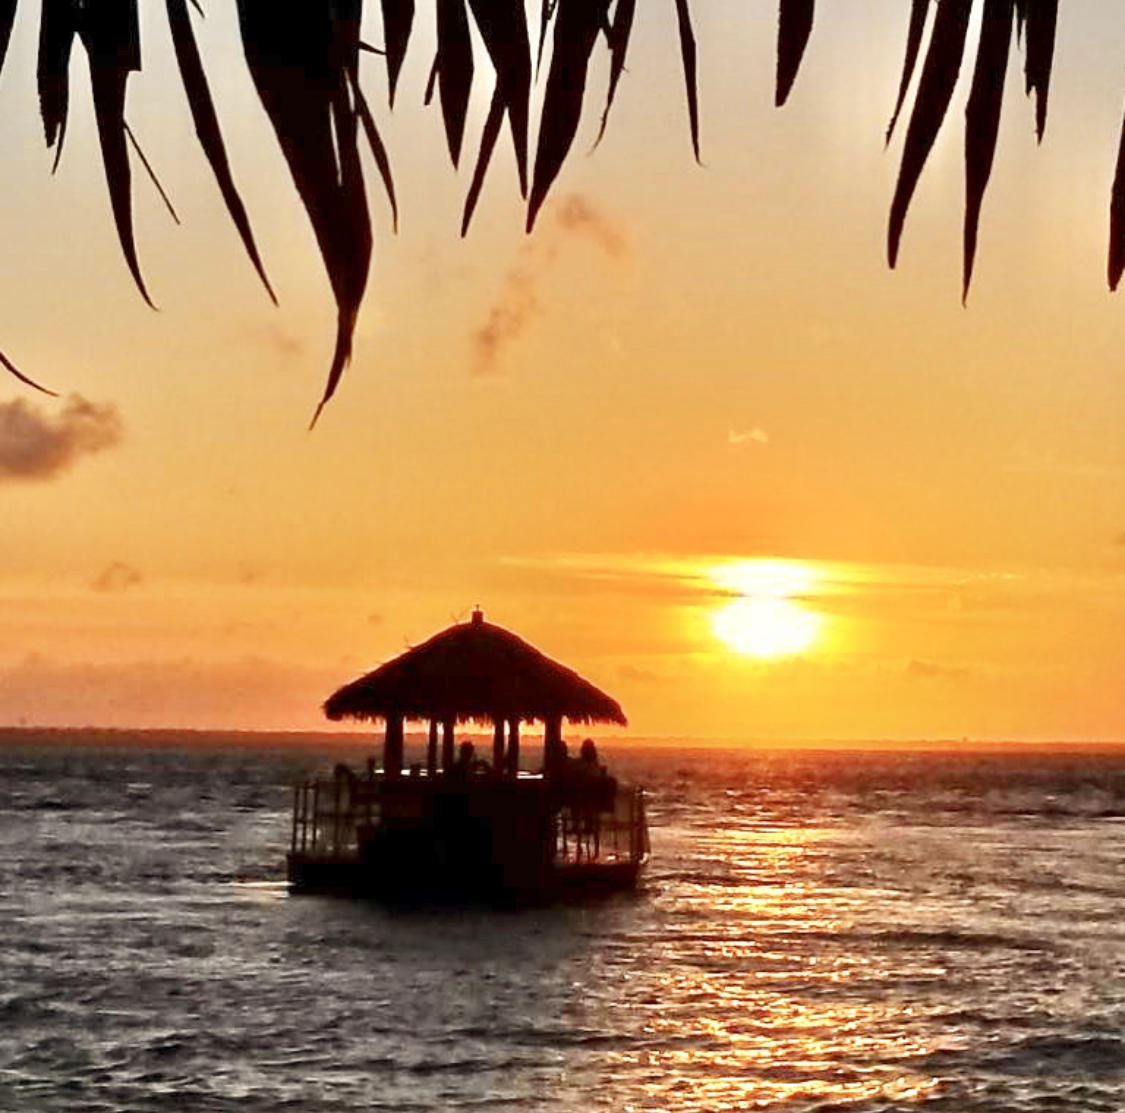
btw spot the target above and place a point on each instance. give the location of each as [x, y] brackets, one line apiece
[329, 813]
[330, 816]
[590, 835]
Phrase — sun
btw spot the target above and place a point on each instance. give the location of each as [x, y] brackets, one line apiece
[766, 627]
[764, 622]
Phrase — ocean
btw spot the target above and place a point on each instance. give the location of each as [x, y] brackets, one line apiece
[817, 931]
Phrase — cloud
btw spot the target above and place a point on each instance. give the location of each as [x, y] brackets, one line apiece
[117, 576]
[737, 439]
[507, 320]
[375, 619]
[37, 446]
[248, 574]
[284, 344]
[575, 214]
[930, 670]
[518, 302]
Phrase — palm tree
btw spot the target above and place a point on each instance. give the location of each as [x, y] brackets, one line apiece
[304, 62]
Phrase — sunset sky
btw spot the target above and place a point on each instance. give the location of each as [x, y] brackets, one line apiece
[703, 390]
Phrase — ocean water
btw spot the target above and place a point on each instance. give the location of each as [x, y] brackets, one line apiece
[817, 931]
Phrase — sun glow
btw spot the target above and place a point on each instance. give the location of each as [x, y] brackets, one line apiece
[765, 621]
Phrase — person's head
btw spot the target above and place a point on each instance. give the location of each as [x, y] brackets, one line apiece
[589, 751]
[466, 752]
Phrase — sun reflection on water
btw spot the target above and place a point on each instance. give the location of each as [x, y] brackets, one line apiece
[759, 1007]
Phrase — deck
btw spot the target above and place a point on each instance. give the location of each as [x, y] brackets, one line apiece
[465, 835]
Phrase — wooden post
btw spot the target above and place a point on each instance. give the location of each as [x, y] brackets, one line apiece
[431, 750]
[336, 818]
[447, 746]
[513, 747]
[498, 746]
[392, 747]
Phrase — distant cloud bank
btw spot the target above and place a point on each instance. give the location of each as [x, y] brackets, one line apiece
[180, 693]
[35, 445]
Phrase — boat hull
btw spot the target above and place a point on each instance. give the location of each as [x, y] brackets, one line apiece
[347, 877]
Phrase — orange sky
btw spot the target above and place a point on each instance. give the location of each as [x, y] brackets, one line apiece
[702, 365]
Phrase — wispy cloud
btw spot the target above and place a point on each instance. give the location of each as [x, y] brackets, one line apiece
[280, 341]
[835, 588]
[248, 574]
[117, 576]
[507, 320]
[931, 670]
[577, 215]
[741, 438]
[635, 675]
[35, 445]
[518, 302]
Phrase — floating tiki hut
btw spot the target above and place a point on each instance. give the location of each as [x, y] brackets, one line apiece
[464, 823]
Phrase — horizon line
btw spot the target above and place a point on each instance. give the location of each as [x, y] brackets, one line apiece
[703, 742]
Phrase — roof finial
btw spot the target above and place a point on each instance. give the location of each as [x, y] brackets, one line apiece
[478, 615]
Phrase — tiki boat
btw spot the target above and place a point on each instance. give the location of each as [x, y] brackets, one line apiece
[460, 825]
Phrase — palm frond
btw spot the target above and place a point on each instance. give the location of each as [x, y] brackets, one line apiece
[935, 89]
[794, 26]
[303, 61]
[398, 19]
[1041, 19]
[454, 68]
[982, 121]
[620, 31]
[112, 40]
[58, 28]
[577, 23]
[7, 18]
[207, 128]
[12, 369]
[687, 53]
[919, 10]
[503, 26]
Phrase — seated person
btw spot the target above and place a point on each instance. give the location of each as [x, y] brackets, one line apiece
[464, 762]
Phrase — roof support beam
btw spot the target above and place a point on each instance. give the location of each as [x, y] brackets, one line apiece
[447, 746]
[498, 746]
[392, 747]
[513, 761]
[431, 750]
[552, 745]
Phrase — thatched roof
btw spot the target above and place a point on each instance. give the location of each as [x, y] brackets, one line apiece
[474, 670]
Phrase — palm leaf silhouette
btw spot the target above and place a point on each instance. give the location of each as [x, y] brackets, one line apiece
[303, 61]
